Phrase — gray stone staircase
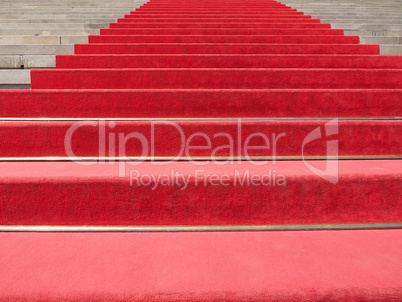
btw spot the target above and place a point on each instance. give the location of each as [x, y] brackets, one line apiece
[376, 22]
[33, 32]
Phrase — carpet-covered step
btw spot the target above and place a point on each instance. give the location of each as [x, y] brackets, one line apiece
[240, 7]
[232, 6]
[228, 61]
[213, 6]
[162, 13]
[200, 193]
[217, 8]
[192, 11]
[223, 48]
[206, 138]
[239, 103]
[202, 266]
[218, 16]
[220, 25]
[168, 19]
[224, 78]
[251, 11]
[172, 6]
[225, 39]
[220, 31]
[298, 19]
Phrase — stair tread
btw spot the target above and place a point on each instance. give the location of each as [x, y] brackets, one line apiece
[258, 266]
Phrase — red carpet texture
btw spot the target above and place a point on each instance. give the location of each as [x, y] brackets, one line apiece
[89, 145]
[269, 138]
[185, 193]
[201, 103]
[255, 266]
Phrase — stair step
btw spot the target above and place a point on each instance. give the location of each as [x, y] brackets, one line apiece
[186, 19]
[38, 40]
[36, 49]
[224, 39]
[218, 16]
[224, 48]
[266, 138]
[245, 266]
[219, 25]
[26, 61]
[228, 61]
[210, 31]
[225, 78]
[237, 103]
[120, 193]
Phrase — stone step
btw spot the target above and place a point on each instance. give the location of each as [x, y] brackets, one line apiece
[395, 49]
[60, 16]
[14, 77]
[374, 33]
[36, 49]
[57, 21]
[326, 14]
[63, 26]
[27, 61]
[49, 32]
[15, 40]
[362, 26]
[338, 19]
[380, 40]
[90, 10]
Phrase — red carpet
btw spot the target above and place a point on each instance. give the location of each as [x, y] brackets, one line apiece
[270, 266]
[282, 138]
[208, 78]
[176, 103]
[225, 48]
[248, 26]
[224, 39]
[200, 67]
[228, 61]
[233, 194]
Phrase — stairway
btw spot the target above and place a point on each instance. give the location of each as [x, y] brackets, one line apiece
[205, 151]
[33, 32]
[375, 22]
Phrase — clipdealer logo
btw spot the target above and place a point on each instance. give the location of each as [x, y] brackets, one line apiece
[330, 131]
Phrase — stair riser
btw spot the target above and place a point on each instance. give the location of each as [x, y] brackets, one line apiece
[222, 61]
[175, 138]
[216, 78]
[196, 14]
[201, 103]
[366, 192]
[221, 25]
[200, 31]
[188, 48]
[220, 16]
[227, 39]
[241, 10]
[139, 19]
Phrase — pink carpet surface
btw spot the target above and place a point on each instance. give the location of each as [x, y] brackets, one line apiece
[249, 266]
